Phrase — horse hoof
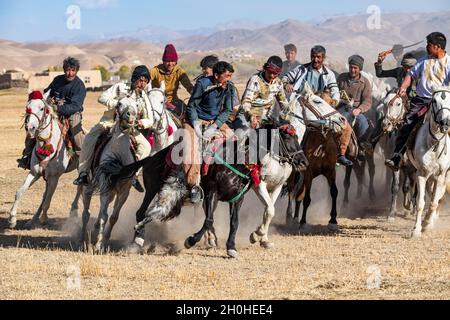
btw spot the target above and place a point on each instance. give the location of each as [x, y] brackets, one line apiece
[416, 234]
[391, 219]
[254, 238]
[99, 248]
[188, 243]
[333, 227]
[134, 248]
[30, 225]
[212, 243]
[174, 250]
[428, 228]
[232, 253]
[304, 228]
[12, 223]
[267, 244]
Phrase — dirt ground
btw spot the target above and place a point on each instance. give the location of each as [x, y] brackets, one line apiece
[369, 258]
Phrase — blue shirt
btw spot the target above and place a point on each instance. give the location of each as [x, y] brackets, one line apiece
[72, 92]
[209, 102]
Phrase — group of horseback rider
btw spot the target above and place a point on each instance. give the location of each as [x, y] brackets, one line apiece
[214, 105]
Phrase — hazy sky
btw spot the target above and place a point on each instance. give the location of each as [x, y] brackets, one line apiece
[25, 20]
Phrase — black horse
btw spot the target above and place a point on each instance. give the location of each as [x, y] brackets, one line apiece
[223, 182]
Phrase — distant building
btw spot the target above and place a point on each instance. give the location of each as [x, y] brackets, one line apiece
[92, 80]
[13, 79]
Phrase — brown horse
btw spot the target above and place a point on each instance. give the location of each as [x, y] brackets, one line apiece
[320, 148]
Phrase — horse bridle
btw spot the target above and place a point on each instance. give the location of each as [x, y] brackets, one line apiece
[433, 102]
[396, 122]
[42, 122]
[159, 125]
[287, 156]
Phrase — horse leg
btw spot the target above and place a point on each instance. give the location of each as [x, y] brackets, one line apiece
[359, 172]
[87, 197]
[371, 167]
[120, 201]
[306, 202]
[347, 180]
[333, 224]
[298, 202]
[29, 181]
[265, 243]
[208, 207]
[291, 188]
[421, 185]
[439, 190]
[269, 212]
[210, 235]
[139, 234]
[50, 187]
[74, 206]
[105, 200]
[395, 186]
[234, 224]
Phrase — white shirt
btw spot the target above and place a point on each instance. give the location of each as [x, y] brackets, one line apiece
[431, 73]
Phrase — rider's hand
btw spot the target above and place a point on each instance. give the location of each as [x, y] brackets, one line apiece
[289, 88]
[212, 129]
[254, 123]
[401, 92]
[356, 112]
[382, 56]
[140, 124]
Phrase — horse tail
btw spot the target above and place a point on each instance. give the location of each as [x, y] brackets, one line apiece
[154, 161]
[170, 198]
[103, 179]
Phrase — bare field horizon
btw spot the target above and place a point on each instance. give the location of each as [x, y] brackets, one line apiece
[368, 258]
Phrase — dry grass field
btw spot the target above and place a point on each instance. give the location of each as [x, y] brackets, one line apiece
[369, 258]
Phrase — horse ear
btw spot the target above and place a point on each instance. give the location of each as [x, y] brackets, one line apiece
[163, 86]
[47, 95]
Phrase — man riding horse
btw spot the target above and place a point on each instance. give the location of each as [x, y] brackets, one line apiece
[431, 72]
[67, 94]
[263, 90]
[320, 79]
[359, 89]
[110, 98]
[172, 75]
[209, 108]
[408, 61]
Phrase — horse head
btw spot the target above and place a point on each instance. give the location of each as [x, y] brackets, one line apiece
[440, 109]
[128, 112]
[38, 114]
[290, 150]
[394, 108]
[317, 109]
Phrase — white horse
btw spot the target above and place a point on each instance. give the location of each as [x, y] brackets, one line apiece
[393, 109]
[164, 127]
[50, 160]
[431, 158]
[117, 154]
[116, 151]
